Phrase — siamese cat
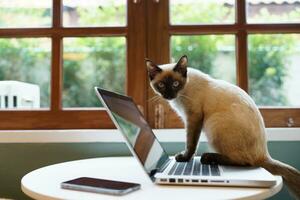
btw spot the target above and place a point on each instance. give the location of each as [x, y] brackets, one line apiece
[229, 117]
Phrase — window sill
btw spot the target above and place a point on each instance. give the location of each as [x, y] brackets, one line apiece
[112, 135]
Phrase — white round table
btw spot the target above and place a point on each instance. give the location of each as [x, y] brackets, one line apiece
[44, 183]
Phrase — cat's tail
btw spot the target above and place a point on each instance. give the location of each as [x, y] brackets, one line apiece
[290, 175]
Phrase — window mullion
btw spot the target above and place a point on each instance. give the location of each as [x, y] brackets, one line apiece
[241, 46]
[57, 13]
[158, 50]
[56, 73]
[56, 60]
[136, 82]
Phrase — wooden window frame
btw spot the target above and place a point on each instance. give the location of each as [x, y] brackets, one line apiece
[57, 117]
[158, 49]
[140, 44]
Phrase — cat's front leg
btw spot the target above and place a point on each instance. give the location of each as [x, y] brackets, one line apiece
[193, 126]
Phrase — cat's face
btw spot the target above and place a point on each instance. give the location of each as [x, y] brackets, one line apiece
[167, 80]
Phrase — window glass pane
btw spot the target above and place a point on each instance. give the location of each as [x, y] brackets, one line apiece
[25, 73]
[274, 68]
[277, 11]
[24, 13]
[212, 54]
[201, 11]
[90, 62]
[94, 13]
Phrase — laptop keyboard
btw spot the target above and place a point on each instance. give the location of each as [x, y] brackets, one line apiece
[194, 167]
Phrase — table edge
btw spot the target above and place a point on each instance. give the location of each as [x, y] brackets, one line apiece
[32, 194]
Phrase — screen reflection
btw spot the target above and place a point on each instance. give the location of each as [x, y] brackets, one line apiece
[136, 130]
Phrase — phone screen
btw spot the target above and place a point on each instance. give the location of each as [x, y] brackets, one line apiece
[103, 185]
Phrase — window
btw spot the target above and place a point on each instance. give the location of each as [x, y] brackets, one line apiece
[91, 61]
[64, 48]
[53, 53]
[94, 13]
[25, 14]
[252, 43]
[28, 76]
[273, 61]
[212, 54]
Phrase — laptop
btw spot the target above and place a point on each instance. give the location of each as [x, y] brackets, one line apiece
[159, 166]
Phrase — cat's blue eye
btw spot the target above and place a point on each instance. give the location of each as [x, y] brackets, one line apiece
[161, 85]
[175, 83]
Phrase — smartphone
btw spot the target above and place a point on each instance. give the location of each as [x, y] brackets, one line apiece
[102, 186]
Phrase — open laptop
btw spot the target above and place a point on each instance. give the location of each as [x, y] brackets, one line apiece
[163, 169]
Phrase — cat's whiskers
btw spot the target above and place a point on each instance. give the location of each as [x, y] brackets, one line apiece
[185, 96]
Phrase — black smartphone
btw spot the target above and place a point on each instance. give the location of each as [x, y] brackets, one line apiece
[102, 186]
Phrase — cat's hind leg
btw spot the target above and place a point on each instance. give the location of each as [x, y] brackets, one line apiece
[216, 158]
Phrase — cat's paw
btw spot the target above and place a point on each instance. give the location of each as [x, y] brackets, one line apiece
[182, 157]
[208, 158]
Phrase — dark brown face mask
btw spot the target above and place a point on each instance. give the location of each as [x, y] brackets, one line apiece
[169, 86]
[170, 82]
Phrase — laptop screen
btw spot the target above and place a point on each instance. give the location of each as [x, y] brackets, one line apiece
[136, 130]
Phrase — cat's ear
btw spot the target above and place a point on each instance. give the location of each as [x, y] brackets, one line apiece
[152, 69]
[181, 66]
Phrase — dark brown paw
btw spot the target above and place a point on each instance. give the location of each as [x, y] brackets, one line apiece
[208, 159]
[182, 157]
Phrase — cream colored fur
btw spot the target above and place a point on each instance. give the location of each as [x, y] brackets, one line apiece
[232, 122]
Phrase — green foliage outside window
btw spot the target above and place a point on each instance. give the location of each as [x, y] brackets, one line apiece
[95, 61]
[267, 54]
[268, 67]
[90, 62]
[27, 60]
[29, 17]
[102, 16]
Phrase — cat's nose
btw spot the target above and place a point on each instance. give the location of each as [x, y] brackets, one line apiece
[170, 97]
